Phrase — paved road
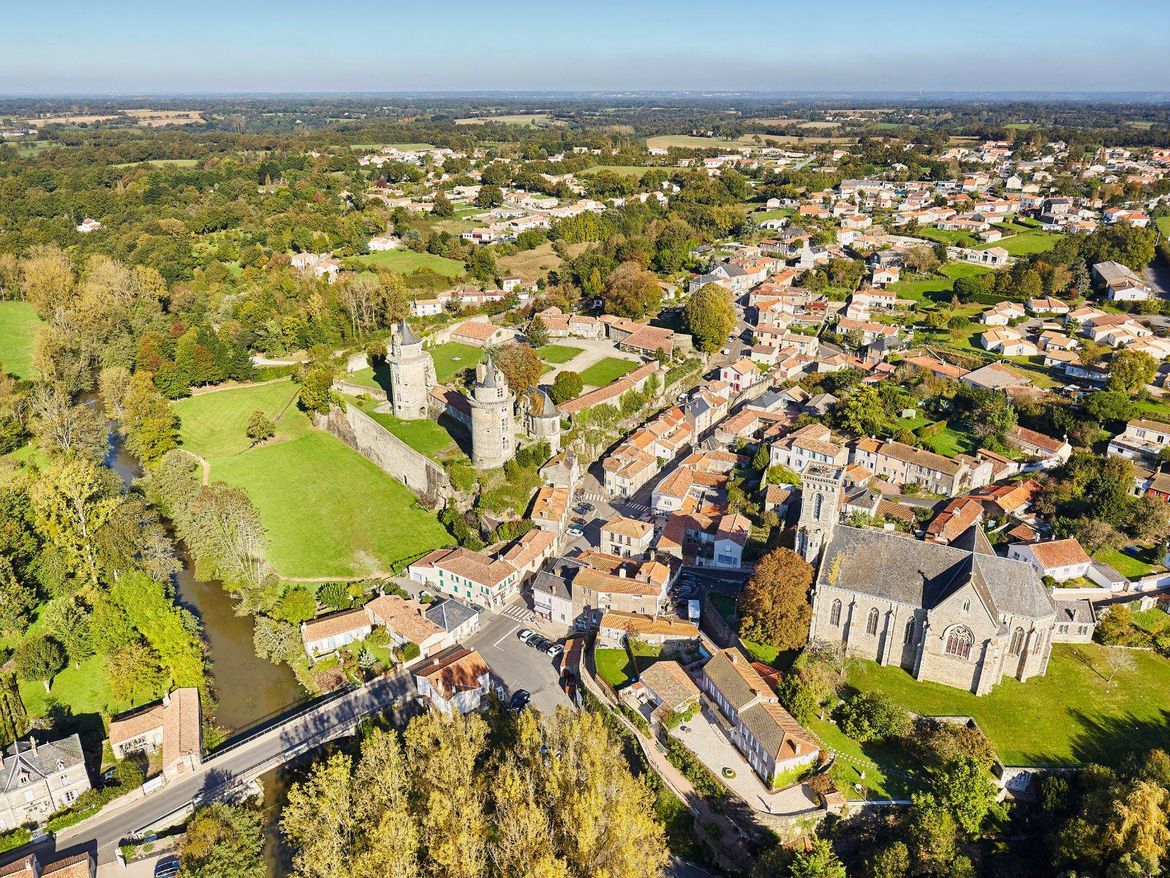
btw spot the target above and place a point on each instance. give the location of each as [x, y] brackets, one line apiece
[102, 834]
[684, 869]
[516, 665]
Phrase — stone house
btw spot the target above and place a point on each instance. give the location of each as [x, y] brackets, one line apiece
[173, 725]
[467, 575]
[37, 780]
[328, 634]
[771, 740]
[626, 537]
[617, 627]
[454, 682]
[34, 865]
[1060, 559]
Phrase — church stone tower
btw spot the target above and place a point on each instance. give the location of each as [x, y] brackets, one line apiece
[820, 501]
[412, 374]
[493, 422]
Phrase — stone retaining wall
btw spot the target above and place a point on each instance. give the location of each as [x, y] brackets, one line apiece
[370, 439]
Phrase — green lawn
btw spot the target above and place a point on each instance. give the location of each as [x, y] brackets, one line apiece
[213, 425]
[881, 771]
[454, 357]
[18, 328]
[1025, 243]
[423, 435]
[779, 213]
[1164, 225]
[1072, 715]
[375, 379]
[949, 441]
[945, 236]
[1127, 565]
[558, 353]
[328, 511]
[606, 370]
[919, 287]
[689, 141]
[614, 666]
[85, 690]
[406, 261]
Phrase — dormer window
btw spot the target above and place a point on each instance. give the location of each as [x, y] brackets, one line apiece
[60, 765]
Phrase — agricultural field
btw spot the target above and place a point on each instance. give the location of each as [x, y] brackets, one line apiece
[634, 172]
[527, 119]
[688, 141]
[328, 511]
[558, 354]
[1073, 715]
[453, 357]
[161, 163]
[18, 329]
[149, 118]
[405, 261]
[606, 370]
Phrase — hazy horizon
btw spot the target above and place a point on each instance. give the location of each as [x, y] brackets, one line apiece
[130, 47]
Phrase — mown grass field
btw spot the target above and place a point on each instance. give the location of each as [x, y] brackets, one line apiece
[614, 666]
[1025, 243]
[454, 357]
[1073, 715]
[328, 511]
[922, 287]
[1127, 565]
[634, 172]
[18, 329]
[423, 435]
[406, 261]
[606, 370]
[558, 353]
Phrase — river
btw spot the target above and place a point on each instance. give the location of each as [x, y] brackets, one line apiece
[248, 688]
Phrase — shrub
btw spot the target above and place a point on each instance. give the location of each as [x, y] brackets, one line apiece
[410, 651]
[873, 716]
[14, 838]
[335, 595]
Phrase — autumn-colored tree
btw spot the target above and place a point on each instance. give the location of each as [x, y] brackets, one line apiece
[709, 316]
[774, 605]
[520, 364]
[632, 291]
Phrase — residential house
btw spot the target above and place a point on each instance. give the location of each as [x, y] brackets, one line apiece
[406, 621]
[480, 333]
[1141, 439]
[670, 688]
[741, 375]
[1121, 283]
[595, 592]
[773, 743]
[472, 576]
[455, 617]
[454, 682]
[1049, 451]
[626, 537]
[37, 865]
[616, 627]
[37, 780]
[1060, 560]
[173, 726]
[996, 376]
[812, 443]
[326, 635]
[901, 464]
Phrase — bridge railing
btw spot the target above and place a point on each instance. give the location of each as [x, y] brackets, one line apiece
[278, 718]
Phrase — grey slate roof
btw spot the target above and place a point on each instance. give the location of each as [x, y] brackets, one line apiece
[550, 583]
[406, 334]
[1076, 612]
[49, 758]
[919, 574]
[729, 679]
[450, 614]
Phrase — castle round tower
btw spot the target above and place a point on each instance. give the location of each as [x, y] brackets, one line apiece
[493, 421]
[542, 419]
[412, 374]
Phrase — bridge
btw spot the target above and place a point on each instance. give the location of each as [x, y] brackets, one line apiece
[237, 763]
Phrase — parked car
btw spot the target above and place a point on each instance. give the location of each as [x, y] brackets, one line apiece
[587, 507]
[520, 699]
[167, 867]
[555, 651]
[576, 530]
[540, 643]
[525, 634]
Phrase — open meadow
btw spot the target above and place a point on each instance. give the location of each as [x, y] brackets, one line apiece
[18, 329]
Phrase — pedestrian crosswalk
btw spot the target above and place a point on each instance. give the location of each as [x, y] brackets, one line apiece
[519, 613]
[640, 508]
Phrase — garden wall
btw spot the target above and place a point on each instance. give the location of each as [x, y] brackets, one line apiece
[342, 386]
[370, 439]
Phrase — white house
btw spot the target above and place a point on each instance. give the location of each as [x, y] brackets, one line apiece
[1061, 560]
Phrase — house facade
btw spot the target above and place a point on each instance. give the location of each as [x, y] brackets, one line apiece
[38, 779]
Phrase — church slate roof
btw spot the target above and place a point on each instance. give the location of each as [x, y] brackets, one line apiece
[920, 574]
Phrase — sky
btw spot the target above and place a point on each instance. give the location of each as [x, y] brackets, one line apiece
[63, 47]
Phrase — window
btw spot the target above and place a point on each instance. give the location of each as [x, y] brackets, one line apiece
[908, 633]
[817, 506]
[1017, 645]
[835, 614]
[871, 623]
[959, 643]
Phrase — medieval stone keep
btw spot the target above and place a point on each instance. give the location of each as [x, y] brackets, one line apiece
[493, 420]
[412, 374]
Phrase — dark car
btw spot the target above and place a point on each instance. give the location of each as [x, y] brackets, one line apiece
[167, 867]
[540, 643]
[520, 699]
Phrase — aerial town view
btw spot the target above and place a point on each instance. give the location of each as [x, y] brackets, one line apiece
[486, 442]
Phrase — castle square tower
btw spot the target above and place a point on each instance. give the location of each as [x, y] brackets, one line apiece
[412, 374]
[493, 419]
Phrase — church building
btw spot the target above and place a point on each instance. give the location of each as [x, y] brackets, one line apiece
[956, 614]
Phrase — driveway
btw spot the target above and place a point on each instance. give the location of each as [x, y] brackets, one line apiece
[518, 666]
[704, 737]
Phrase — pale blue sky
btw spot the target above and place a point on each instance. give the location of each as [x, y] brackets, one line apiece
[67, 46]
